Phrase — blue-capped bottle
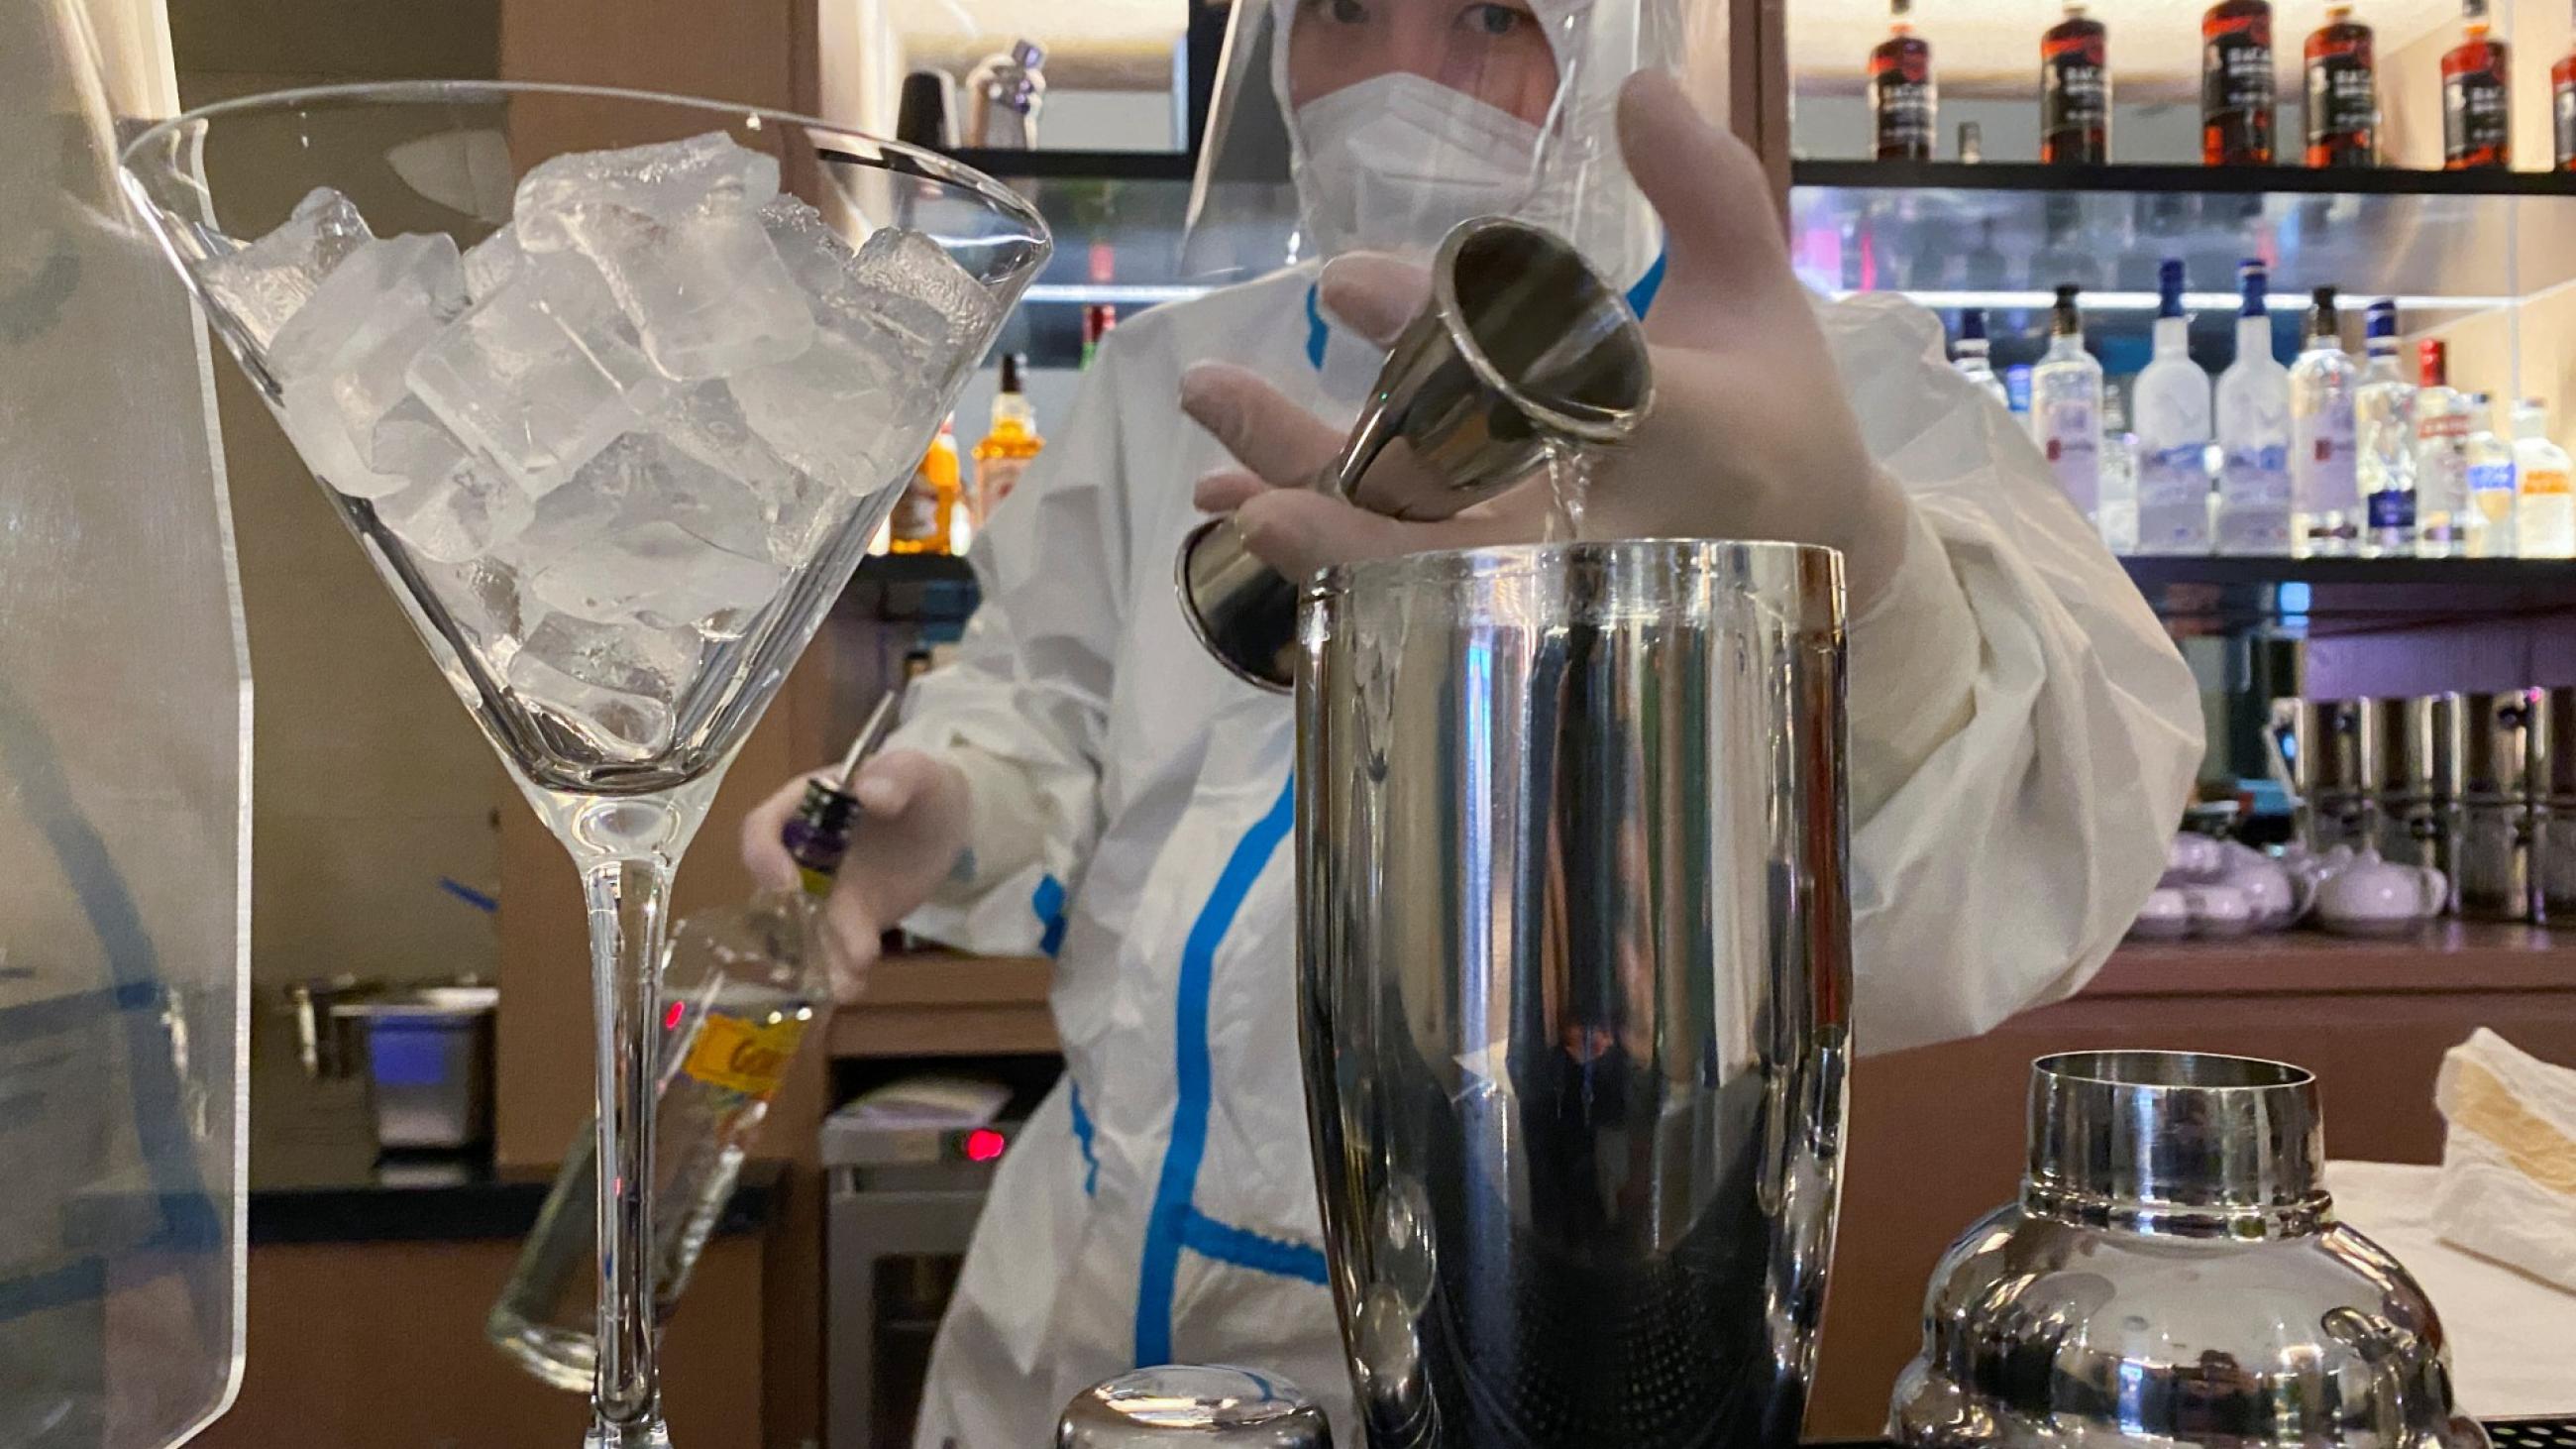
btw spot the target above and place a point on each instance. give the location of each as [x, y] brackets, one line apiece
[2253, 414]
[1973, 356]
[2384, 428]
[2172, 415]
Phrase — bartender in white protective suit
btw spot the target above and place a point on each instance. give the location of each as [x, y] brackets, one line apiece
[1086, 781]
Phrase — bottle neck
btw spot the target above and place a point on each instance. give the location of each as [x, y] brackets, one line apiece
[818, 835]
[2254, 337]
[2173, 337]
[1011, 411]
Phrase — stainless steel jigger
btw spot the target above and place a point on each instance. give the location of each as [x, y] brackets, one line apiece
[1523, 346]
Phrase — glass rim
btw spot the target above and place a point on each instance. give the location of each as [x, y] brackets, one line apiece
[934, 166]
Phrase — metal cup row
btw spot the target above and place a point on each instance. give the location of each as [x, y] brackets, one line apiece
[2480, 786]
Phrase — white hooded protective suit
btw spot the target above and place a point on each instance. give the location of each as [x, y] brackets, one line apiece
[2022, 739]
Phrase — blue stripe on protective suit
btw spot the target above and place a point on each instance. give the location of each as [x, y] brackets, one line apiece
[1642, 295]
[1244, 1248]
[1167, 1224]
[1082, 1131]
[1047, 904]
[1317, 334]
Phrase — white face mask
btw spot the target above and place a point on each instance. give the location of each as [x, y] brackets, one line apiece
[1393, 162]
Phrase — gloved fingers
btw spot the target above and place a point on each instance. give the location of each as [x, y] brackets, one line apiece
[1374, 294]
[1725, 253]
[1265, 431]
[851, 941]
[888, 784]
[1226, 490]
[1297, 531]
[763, 854]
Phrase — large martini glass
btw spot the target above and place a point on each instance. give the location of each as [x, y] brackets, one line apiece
[615, 425]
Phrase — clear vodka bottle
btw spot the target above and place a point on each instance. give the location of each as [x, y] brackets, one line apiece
[2545, 517]
[1974, 351]
[2119, 510]
[2066, 408]
[2325, 480]
[2491, 484]
[2384, 431]
[743, 988]
[2170, 406]
[2441, 457]
[2253, 413]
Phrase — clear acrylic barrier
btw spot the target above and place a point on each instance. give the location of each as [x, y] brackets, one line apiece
[124, 776]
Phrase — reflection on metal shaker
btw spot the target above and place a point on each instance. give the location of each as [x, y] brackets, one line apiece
[2332, 758]
[1575, 977]
[2500, 757]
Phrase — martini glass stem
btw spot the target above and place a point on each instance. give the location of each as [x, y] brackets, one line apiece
[629, 899]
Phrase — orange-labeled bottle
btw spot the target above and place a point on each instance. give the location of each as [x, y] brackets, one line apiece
[1012, 444]
[925, 518]
[1904, 104]
[2075, 90]
[2342, 92]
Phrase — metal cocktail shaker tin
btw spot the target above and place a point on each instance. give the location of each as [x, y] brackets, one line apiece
[2501, 758]
[1575, 979]
[2413, 800]
[1175, 1406]
[2555, 855]
[2173, 1274]
[2334, 760]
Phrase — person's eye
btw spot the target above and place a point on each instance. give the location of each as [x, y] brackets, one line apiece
[1492, 19]
[1347, 12]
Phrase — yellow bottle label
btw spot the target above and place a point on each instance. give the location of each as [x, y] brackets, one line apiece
[2550, 482]
[740, 1057]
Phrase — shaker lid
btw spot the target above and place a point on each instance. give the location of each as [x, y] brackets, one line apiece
[1209, 1404]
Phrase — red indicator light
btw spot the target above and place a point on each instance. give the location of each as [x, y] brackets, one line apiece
[671, 1017]
[984, 1144]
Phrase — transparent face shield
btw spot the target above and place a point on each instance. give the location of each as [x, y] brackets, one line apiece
[124, 730]
[1390, 121]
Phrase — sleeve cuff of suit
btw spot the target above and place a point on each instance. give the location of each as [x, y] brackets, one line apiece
[1913, 668]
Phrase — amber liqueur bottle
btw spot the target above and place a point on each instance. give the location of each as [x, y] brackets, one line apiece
[2075, 90]
[2236, 95]
[1904, 105]
[2343, 92]
[2477, 97]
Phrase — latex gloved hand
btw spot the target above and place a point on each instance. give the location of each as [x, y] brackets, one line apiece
[1750, 436]
[912, 827]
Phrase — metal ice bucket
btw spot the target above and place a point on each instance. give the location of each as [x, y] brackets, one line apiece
[1575, 976]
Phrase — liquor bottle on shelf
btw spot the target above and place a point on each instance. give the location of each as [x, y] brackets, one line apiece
[1005, 451]
[2017, 391]
[1904, 103]
[2492, 492]
[2562, 107]
[2171, 408]
[2325, 482]
[1974, 352]
[2441, 456]
[2343, 92]
[1099, 319]
[2118, 511]
[2066, 407]
[2237, 104]
[2545, 514]
[1972, 143]
[2075, 90]
[2253, 409]
[2477, 92]
[2384, 438]
[925, 517]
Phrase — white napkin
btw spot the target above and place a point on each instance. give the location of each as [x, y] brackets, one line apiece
[2508, 1184]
